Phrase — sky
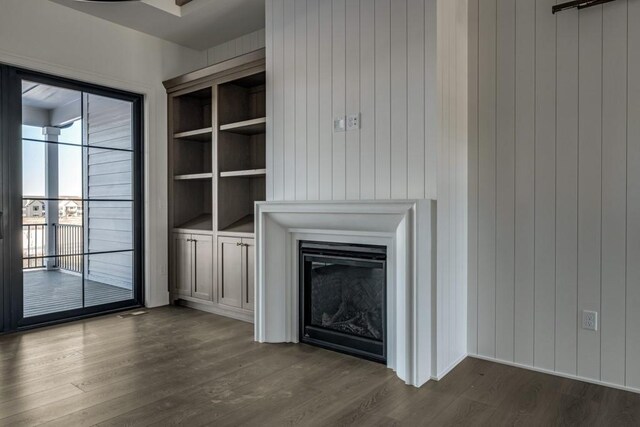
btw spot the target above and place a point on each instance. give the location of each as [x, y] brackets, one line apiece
[69, 161]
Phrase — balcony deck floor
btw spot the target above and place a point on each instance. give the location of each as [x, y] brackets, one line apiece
[54, 291]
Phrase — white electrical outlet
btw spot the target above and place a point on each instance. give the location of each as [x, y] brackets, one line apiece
[353, 121]
[590, 320]
[339, 124]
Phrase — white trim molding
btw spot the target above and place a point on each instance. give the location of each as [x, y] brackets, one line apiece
[406, 227]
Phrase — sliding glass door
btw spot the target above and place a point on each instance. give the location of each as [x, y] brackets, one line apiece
[79, 188]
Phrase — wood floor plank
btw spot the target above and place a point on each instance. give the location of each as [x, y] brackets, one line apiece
[197, 401]
[113, 400]
[465, 412]
[36, 400]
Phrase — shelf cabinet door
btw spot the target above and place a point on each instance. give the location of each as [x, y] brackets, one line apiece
[248, 264]
[230, 277]
[182, 268]
[202, 267]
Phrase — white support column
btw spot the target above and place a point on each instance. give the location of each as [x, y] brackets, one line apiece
[51, 192]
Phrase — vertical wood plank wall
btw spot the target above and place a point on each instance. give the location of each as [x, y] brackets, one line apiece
[335, 57]
[554, 200]
[402, 65]
[449, 86]
[236, 47]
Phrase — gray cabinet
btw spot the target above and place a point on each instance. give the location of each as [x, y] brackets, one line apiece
[182, 264]
[249, 276]
[192, 266]
[202, 285]
[235, 272]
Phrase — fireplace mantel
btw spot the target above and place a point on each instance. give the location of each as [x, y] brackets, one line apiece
[406, 227]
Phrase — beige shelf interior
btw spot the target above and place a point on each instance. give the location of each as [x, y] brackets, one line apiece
[243, 225]
[198, 135]
[249, 173]
[185, 177]
[200, 223]
[247, 127]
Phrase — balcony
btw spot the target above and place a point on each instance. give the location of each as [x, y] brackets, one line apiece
[55, 283]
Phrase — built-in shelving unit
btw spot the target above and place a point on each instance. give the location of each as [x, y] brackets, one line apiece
[217, 171]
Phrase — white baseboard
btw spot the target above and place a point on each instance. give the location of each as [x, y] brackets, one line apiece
[448, 369]
[558, 374]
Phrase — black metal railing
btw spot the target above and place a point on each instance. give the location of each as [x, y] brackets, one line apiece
[69, 239]
[34, 238]
[68, 244]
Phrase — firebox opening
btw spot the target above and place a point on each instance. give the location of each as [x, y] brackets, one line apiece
[343, 298]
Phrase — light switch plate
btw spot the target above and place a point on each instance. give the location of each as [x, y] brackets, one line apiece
[339, 124]
[353, 121]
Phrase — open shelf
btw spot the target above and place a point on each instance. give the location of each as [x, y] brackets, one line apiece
[247, 127]
[244, 225]
[191, 114]
[200, 223]
[198, 135]
[193, 176]
[249, 173]
[192, 203]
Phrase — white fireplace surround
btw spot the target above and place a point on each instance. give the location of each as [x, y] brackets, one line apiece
[405, 227]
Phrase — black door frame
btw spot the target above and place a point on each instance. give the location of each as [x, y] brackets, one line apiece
[5, 307]
[11, 142]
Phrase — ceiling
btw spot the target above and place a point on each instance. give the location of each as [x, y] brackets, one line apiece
[44, 105]
[47, 97]
[199, 24]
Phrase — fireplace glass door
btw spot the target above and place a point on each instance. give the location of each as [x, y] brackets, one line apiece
[343, 294]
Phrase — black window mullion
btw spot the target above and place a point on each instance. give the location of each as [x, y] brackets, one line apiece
[85, 209]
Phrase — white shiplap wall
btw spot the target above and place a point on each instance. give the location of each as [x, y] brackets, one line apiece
[236, 47]
[328, 58]
[554, 205]
[451, 94]
[403, 65]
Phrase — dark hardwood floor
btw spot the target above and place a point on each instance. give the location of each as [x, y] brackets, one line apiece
[181, 366]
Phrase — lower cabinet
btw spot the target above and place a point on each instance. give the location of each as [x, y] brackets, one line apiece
[249, 271]
[193, 265]
[235, 272]
[181, 264]
[227, 283]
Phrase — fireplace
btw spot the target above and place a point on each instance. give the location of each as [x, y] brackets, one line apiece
[343, 298]
[404, 229]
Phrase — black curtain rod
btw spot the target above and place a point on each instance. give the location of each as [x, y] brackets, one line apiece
[579, 4]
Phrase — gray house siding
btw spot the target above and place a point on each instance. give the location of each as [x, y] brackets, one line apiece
[109, 176]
